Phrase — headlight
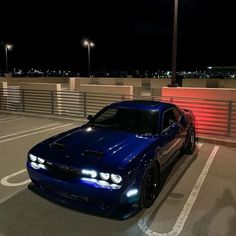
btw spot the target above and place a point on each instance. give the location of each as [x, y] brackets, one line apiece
[104, 176]
[41, 160]
[32, 157]
[92, 173]
[116, 178]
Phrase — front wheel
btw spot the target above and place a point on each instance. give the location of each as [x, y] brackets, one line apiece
[150, 186]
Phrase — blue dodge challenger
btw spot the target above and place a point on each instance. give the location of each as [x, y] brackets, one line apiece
[112, 165]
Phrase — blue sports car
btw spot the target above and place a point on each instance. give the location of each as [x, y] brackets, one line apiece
[112, 165]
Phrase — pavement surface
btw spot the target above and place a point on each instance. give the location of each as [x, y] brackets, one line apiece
[198, 196]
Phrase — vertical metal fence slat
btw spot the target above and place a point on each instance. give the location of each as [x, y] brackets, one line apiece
[52, 102]
[85, 105]
[229, 118]
[23, 99]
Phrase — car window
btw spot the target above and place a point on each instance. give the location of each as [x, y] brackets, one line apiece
[107, 116]
[130, 120]
[177, 114]
[169, 118]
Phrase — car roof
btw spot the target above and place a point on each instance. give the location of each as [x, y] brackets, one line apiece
[143, 105]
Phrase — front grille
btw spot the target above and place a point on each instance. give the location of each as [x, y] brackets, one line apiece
[62, 171]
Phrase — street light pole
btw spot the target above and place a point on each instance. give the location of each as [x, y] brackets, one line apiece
[6, 59]
[89, 59]
[7, 47]
[174, 44]
[89, 44]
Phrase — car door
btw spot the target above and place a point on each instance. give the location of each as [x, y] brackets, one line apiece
[170, 136]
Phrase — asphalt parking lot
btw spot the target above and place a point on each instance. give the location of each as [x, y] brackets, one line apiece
[198, 196]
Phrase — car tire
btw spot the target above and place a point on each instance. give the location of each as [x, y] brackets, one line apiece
[150, 186]
[191, 141]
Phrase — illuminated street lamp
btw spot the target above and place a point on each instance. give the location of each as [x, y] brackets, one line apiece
[174, 45]
[7, 47]
[89, 44]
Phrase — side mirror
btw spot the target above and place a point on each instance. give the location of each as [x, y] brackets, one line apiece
[89, 117]
[183, 121]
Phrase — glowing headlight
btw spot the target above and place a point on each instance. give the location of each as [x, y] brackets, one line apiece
[32, 157]
[116, 178]
[35, 165]
[41, 160]
[104, 176]
[92, 173]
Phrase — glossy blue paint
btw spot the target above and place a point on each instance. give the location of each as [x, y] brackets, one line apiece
[106, 150]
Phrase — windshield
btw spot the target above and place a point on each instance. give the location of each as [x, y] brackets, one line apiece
[129, 120]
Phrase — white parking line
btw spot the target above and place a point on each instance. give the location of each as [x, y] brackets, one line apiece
[25, 131]
[12, 119]
[8, 118]
[4, 181]
[41, 131]
[178, 227]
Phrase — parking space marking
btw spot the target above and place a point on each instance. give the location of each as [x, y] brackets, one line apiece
[4, 181]
[12, 119]
[25, 131]
[37, 132]
[178, 227]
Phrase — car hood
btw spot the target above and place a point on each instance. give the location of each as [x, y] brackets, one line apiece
[93, 147]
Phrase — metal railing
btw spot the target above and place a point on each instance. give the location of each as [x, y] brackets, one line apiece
[213, 117]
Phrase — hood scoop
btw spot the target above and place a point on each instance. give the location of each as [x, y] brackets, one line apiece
[59, 146]
[92, 153]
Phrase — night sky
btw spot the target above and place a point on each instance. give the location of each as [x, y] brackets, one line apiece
[128, 35]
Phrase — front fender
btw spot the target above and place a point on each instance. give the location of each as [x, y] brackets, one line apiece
[136, 174]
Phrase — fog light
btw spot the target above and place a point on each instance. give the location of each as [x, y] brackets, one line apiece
[132, 192]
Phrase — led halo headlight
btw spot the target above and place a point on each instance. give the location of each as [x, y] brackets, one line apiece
[32, 157]
[116, 178]
[104, 176]
[41, 160]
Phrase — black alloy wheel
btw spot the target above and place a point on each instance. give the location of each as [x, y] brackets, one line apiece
[150, 186]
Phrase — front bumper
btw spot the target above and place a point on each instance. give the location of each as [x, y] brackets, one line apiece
[83, 194]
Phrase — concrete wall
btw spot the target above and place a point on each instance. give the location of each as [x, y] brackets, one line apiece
[137, 86]
[95, 97]
[107, 81]
[227, 83]
[106, 89]
[208, 93]
[13, 81]
[202, 83]
[38, 97]
[76, 82]
[156, 86]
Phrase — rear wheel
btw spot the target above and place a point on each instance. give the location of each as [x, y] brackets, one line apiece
[191, 141]
[150, 186]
